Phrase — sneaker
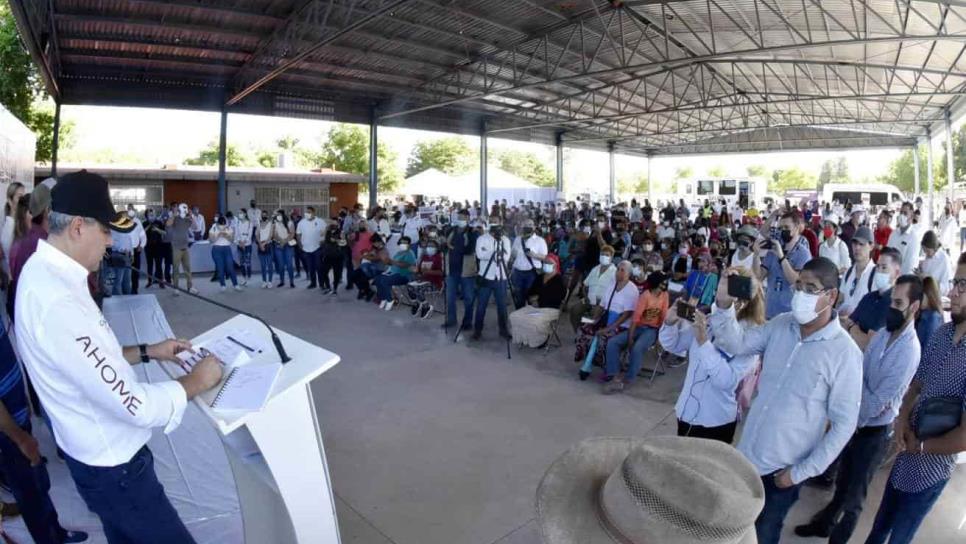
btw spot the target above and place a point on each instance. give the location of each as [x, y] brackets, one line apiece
[369, 296]
[244, 281]
[812, 530]
[333, 293]
[311, 286]
[614, 387]
[238, 288]
[382, 305]
[192, 290]
[222, 288]
[360, 295]
[326, 290]
[282, 284]
[269, 285]
[389, 305]
[292, 285]
[264, 285]
[70, 537]
[415, 308]
[427, 311]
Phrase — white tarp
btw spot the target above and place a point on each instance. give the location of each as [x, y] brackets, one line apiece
[500, 184]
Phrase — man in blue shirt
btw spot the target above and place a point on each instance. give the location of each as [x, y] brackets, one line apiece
[870, 314]
[924, 465]
[888, 366]
[783, 262]
[461, 269]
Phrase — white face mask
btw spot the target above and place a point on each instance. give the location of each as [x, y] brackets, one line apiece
[803, 307]
[605, 260]
[587, 230]
[403, 247]
[278, 218]
[548, 268]
[903, 221]
[882, 281]
[309, 216]
[131, 214]
[636, 271]
[430, 251]
[648, 247]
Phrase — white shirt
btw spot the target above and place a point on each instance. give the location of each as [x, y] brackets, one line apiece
[101, 413]
[220, 240]
[139, 235]
[6, 240]
[411, 226]
[948, 231]
[624, 300]
[265, 232]
[255, 216]
[537, 246]
[940, 268]
[197, 222]
[664, 232]
[747, 263]
[243, 232]
[383, 229]
[908, 245]
[854, 288]
[597, 281]
[486, 245]
[310, 233]
[708, 397]
[838, 253]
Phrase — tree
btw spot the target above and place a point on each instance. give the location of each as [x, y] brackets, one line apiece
[632, 185]
[527, 166]
[902, 173]
[209, 156]
[681, 173]
[346, 149]
[834, 171]
[450, 155]
[41, 122]
[790, 179]
[757, 171]
[287, 143]
[717, 171]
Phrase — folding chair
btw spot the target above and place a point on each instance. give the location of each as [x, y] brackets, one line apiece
[659, 368]
[556, 323]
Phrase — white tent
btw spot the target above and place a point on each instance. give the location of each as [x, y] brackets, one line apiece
[430, 182]
[500, 184]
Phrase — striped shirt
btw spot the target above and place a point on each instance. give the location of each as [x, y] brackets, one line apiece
[13, 391]
[942, 373]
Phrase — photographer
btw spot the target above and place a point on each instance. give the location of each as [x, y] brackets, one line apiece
[492, 250]
[527, 255]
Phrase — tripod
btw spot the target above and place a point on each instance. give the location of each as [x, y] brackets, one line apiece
[499, 258]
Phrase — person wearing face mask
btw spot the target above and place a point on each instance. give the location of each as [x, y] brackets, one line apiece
[400, 273]
[858, 279]
[429, 279]
[309, 235]
[197, 224]
[935, 263]
[221, 237]
[650, 311]
[255, 216]
[266, 249]
[157, 249]
[883, 230]
[888, 365]
[461, 269]
[856, 217]
[532, 325]
[832, 247]
[784, 260]
[869, 316]
[809, 390]
[331, 257]
[283, 238]
[592, 288]
[744, 255]
[906, 238]
[707, 406]
[243, 240]
[948, 228]
[527, 254]
[492, 252]
[178, 229]
[681, 262]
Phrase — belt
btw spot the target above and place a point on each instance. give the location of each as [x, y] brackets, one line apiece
[872, 430]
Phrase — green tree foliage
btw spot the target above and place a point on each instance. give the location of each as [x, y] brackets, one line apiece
[346, 149]
[757, 171]
[527, 166]
[902, 173]
[41, 122]
[681, 173]
[635, 184]
[450, 155]
[834, 171]
[209, 156]
[790, 179]
[717, 171]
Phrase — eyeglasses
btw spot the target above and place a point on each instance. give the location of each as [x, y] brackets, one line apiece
[809, 289]
[959, 285]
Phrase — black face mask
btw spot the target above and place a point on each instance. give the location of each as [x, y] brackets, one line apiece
[496, 231]
[894, 320]
[744, 243]
[527, 231]
[786, 236]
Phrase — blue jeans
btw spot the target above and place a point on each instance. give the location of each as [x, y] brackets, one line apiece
[521, 280]
[224, 264]
[267, 263]
[245, 260]
[313, 266]
[456, 287]
[284, 260]
[130, 501]
[498, 289]
[644, 338]
[778, 502]
[122, 280]
[30, 487]
[900, 514]
[385, 283]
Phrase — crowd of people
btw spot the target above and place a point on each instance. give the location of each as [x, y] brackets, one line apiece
[818, 330]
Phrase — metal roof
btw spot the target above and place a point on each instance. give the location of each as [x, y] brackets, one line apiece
[643, 76]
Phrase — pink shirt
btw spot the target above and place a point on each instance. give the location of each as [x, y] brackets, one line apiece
[362, 244]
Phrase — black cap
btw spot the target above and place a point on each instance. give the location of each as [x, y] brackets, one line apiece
[86, 195]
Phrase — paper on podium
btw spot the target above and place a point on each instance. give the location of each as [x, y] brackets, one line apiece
[245, 388]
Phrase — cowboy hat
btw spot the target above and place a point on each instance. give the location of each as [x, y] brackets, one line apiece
[660, 490]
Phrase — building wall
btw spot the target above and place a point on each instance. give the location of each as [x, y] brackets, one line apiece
[203, 194]
[343, 194]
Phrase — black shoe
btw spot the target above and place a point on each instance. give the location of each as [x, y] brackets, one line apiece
[820, 482]
[311, 286]
[361, 295]
[348, 287]
[369, 296]
[414, 309]
[583, 375]
[74, 536]
[466, 326]
[812, 530]
[292, 285]
[476, 335]
[281, 284]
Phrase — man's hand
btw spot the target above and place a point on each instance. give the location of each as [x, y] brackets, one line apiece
[28, 446]
[700, 327]
[723, 299]
[784, 479]
[166, 350]
[205, 375]
[778, 250]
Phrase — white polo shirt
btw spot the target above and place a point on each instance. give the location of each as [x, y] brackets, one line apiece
[536, 245]
[101, 414]
[908, 245]
[310, 231]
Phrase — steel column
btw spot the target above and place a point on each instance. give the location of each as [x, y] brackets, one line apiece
[650, 197]
[929, 175]
[612, 188]
[560, 172]
[484, 205]
[56, 143]
[950, 159]
[915, 167]
[222, 157]
[373, 159]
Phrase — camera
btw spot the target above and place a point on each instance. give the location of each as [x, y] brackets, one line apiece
[685, 311]
[739, 287]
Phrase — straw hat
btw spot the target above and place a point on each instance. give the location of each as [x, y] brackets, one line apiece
[661, 490]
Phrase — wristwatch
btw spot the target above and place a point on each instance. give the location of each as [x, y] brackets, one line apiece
[143, 349]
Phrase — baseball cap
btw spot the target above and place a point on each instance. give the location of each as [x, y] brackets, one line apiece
[86, 194]
[39, 200]
[864, 234]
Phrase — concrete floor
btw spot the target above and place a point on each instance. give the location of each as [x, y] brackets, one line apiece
[434, 442]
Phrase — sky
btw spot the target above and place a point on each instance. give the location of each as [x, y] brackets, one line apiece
[156, 137]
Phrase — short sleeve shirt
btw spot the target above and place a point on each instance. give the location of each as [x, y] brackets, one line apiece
[779, 297]
[624, 300]
[871, 312]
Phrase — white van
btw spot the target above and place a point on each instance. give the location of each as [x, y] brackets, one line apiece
[868, 194]
[732, 190]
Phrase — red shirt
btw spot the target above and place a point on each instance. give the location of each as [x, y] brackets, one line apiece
[812, 241]
[427, 263]
[881, 239]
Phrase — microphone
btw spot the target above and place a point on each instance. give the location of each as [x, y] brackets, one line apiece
[275, 339]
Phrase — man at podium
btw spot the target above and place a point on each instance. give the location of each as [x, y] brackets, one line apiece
[101, 414]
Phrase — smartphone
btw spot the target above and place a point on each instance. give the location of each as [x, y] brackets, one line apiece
[685, 311]
[739, 287]
[767, 244]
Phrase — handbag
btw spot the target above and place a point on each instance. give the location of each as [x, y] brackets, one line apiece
[938, 416]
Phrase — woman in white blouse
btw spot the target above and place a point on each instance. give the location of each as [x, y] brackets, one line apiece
[283, 235]
[221, 236]
[266, 249]
[708, 404]
[597, 281]
[243, 239]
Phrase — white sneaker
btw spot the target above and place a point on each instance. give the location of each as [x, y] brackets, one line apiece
[382, 305]
[389, 305]
[223, 289]
[244, 281]
[264, 285]
[269, 285]
[238, 288]
[177, 293]
[192, 290]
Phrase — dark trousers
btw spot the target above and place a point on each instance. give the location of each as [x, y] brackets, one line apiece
[900, 514]
[858, 463]
[30, 487]
[300, 260]
[522, 281]
[498, 289]
[154, 255]
[130, 501]
[333, 264]
[313, 266]
[723, 433]
[778, 502]
[135, 275]
[456, 287]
